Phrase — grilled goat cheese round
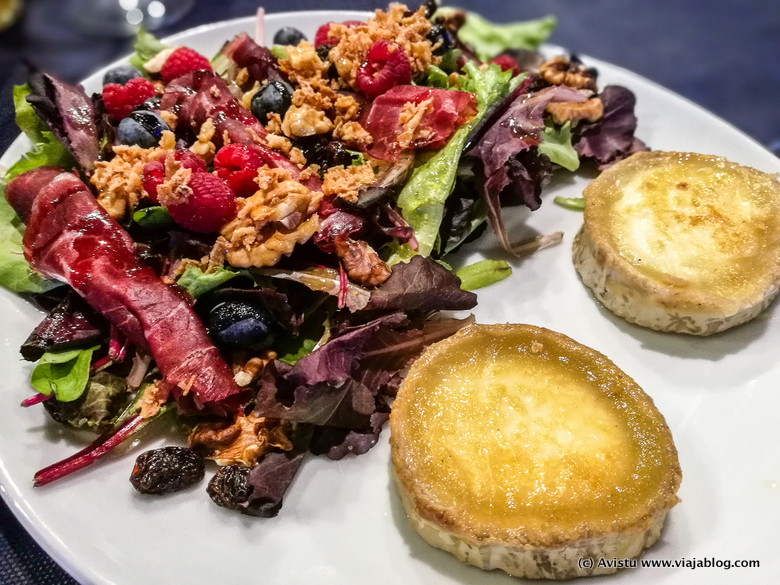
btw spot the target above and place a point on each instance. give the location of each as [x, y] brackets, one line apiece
[681, 242]
[517, 448]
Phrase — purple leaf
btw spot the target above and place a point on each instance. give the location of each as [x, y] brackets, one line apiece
[421, 284]
[70, 115]
[611, 137]
[271, 477]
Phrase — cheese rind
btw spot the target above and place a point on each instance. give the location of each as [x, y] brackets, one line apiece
[681, 242]
[516, 448]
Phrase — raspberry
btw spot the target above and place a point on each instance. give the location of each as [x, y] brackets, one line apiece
[182, 61]
[237, 165]
[154, 171]
[121, 100]
[385, 67]
[210, 205]
[507, 64]
[323, 33]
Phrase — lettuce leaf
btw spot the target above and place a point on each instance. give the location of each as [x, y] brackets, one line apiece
[15, 274]
[146, 47]
[423, 196]
[556, 143]
[489, 39]
[483, 273]
[196, 282]
[47, 150]
[65, 373]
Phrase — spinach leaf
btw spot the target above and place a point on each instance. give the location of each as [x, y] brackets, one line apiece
[65, 373]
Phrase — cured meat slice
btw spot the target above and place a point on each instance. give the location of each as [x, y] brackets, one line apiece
[426, 115]
[71, 238]
[258, 61]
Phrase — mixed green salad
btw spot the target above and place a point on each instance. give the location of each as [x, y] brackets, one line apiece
[257, 244]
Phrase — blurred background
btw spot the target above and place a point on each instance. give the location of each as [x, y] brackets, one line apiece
[721, 54]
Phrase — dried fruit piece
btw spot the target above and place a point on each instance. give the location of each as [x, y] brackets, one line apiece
[209, 206]
[121, 100]
[182, 61]
[386, 66]
[229, 488]
[167, 470]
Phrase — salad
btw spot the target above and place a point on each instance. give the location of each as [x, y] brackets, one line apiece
[256, 244]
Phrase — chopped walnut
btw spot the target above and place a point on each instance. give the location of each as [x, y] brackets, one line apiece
[204, 147]
[242, 76]
[280, 143]
[398, 25]
[297, 157]
[270, 223]
[352, 133]
[413, 130]
[589, 110]
[119, 181]
[305, 121]
[274, 125]
[169, 118]
[242, 442]
[303, 66]
[245, 374]
[154, 396]
[246, 98]
[345, 182]
[561, 71]
[174, 188]
[362, 263]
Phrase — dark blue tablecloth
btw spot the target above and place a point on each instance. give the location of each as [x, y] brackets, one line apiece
[720, 54]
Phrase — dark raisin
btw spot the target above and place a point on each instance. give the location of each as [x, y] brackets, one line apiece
[229, 488]
[323, 51]
[167, 470]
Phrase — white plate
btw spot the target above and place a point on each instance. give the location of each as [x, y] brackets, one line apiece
[342, 522]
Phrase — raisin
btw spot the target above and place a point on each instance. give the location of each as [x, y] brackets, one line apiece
[167, 470]
[229, 488]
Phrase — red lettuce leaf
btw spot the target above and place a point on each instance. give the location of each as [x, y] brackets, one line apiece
[611, 137]
[272, 476]
[70, 115]
[421, 284]
[519, 128]
[72, 323]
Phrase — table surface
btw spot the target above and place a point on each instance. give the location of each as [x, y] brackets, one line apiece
[719, 54]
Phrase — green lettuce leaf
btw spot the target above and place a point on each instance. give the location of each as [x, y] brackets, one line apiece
[65, 373]
[556, 144]
[573, 203]
[146, 47]
[15, 273]
[483, 273]
[197, 282]
[155, 217]
[489, 39]
[423, 196]
[47, 150]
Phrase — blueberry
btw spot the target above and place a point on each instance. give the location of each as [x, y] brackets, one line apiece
[289, 35]
[142, 128]
[272, 98]
[152, 104]
[121, 74]
[241, 324]
[440, 34]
